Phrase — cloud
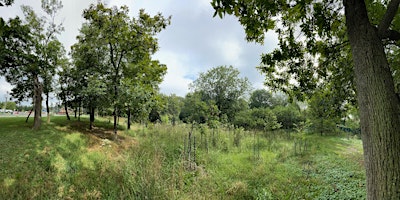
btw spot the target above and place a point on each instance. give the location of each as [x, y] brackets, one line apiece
[194, 42]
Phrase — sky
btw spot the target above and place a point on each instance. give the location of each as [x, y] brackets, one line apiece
[194, 42]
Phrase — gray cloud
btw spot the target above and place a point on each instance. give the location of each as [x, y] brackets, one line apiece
[193, 43]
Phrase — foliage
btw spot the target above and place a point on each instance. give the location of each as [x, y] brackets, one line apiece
[257, 118]
[9, 105]
[288, 116]
[320, 23]
[173, 107]
[324, 113]
[223, 86]
[261, 98]
[115, 53]
[339, 45]
[29, 54]
[196, 110]
[6, 2]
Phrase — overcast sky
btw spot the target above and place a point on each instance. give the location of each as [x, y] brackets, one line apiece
[194, 42]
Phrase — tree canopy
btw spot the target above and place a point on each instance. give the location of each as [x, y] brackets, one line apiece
[29, 54]
[113, 58]
[224, 86]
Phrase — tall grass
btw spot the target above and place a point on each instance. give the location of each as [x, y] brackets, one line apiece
[65, 160]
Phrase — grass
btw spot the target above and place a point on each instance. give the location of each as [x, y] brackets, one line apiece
[65, 160]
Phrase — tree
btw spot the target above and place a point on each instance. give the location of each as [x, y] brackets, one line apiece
[223, 86]
[26, 61]
[261, 99]
[288, 116]
[257, 119]
[53, 50]
[173, 107]
[324, 112]
[334, 33]
[126, 41]
[90, 72]
[8, 105]
[196, 110]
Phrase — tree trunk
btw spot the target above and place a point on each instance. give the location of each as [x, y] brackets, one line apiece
[37, 99]
[30, 112]
[115, 122]
[129, 118]
[91, 117]
[378, 103]
[47, 108]
[79, 111]
[66, 110]
[115, 108]
[65, 102]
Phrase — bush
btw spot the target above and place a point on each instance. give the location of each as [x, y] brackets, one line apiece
[288, 116]
[257, 118]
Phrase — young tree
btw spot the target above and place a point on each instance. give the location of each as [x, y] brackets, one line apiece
[223, 86]
[196, 110]
[329, 29]
[174, 106]
[324, 112]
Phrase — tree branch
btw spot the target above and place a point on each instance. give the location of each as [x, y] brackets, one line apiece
[388, 17]
[391, 35]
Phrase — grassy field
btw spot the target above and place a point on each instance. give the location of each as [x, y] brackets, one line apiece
[65, 160]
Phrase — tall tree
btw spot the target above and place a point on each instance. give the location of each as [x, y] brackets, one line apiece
[332, 33]
[27, 63]
[20, 64]
[224, 86]
[90, 71]
[126, 40]
[53, 50]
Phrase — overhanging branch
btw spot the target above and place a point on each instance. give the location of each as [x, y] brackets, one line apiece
[391, 35]
[388, 17]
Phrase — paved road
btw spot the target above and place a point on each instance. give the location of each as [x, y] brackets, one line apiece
[23, 114]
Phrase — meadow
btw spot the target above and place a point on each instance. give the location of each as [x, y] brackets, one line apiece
[66, 160]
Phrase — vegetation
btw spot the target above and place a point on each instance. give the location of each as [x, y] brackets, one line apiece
[328, 44]
[224, 87]
[65, 159]
[222, 140]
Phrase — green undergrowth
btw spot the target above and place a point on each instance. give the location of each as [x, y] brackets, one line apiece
[66, 160]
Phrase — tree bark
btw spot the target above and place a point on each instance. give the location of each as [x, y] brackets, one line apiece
[79, 111]
[379, 106]
[65, 102]
[115, 122]
[30, 112]
[66, 109]
[37, 99]
[129, 118]
[91, 117]
[47, 108]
